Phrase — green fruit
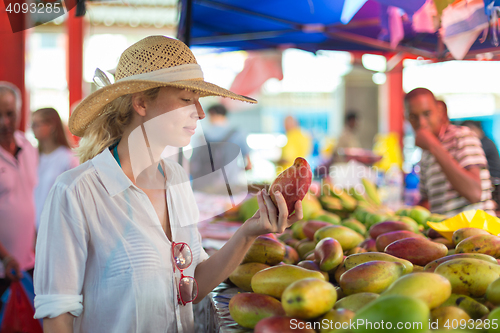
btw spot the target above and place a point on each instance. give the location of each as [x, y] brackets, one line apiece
[411, 222]
[463, 233]
[347, 238]
[308, 298]
[248, 208]
[297, 229]
[355, 225]
[373, 276]
[371, 191]
[328, 217]
[328, 254]
[420, 214]
[494, 318]
[493, 292]
[372, 219]
[405, 211]
[431, 267]
[247, 309]
[242, 275]
[265, 250]
[310, 206]
[411, 314]
[486, 244]
[360, 258]
[473, 308]
[431, 288]
[443, 317]
[274, 280]
[469, 276]
[355, 302]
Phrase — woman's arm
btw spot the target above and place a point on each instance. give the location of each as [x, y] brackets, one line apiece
[60, 324]
[220, 265]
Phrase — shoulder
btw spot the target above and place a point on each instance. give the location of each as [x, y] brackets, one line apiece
[73, 178]
[23, 142]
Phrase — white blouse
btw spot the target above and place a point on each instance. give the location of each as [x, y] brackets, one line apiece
[103, 256]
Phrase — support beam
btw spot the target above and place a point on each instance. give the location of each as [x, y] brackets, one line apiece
[12, 60]
[74, 63]
[395, 96]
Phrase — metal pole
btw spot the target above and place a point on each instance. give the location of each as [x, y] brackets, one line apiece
[184, 34]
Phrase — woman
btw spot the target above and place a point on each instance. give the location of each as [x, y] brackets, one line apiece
[115, 250]
[55, 154]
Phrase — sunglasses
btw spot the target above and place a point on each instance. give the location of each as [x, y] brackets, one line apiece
[188, 287]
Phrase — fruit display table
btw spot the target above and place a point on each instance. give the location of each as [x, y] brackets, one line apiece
[211, 315]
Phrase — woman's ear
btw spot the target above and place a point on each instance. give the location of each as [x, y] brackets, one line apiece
[139, 103]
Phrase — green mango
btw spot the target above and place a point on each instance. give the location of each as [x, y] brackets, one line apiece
[247, 309]
[469, 276]
[355, 302]
[411, 313]
[420, 214]
[372, 276]
[431, 288]
[371, 191]
[444, 317]
[493, 292]
[473, 308]
[242, 275]
[328, 217]
[347, 238]
[354, 225]
[248, 208]
[494, 318]
[411, 222]
[308, 298]
[273, 281]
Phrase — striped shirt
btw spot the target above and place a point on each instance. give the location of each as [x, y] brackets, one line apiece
[466, 149]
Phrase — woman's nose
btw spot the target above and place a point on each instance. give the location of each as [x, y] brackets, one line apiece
[199, 110]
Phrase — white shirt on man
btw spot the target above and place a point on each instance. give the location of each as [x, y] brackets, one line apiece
[18, 179]
[103, 256]
[50, 166]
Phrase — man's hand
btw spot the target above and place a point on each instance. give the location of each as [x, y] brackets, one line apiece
[425, 139]
[12, 269]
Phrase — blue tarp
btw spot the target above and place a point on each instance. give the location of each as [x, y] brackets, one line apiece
[309, 25]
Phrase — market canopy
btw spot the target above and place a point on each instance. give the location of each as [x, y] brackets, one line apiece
[349, 25]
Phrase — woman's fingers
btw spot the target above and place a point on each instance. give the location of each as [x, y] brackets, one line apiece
[262, 206]
[298, 215]
[271, 208]
[283, 212]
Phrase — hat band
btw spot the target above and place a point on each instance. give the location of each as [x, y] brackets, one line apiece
[171, 74]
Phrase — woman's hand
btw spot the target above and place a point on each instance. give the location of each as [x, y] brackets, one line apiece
[269, 218]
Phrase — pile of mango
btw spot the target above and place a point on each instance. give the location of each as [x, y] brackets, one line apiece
[358, 267]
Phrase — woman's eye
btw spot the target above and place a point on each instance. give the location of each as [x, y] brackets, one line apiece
[186, 100]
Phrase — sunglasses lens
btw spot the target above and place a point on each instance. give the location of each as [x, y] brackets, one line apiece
[182, 255]
[188, 288]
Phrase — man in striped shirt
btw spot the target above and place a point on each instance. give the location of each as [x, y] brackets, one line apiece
[454, 173]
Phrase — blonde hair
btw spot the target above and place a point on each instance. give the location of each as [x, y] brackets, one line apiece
[108, 127]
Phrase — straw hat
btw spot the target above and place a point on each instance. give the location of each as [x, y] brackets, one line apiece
[155, 61]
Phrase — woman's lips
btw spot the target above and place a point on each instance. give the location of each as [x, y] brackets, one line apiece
[190, 130]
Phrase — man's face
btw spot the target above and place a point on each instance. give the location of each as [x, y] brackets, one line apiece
[423, 112]
[8, 116]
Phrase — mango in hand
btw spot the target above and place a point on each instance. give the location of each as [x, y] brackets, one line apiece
[293, 183]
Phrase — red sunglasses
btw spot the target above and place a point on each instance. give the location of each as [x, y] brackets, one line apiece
[183, 258]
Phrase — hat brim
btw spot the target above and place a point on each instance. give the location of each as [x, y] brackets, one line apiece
[93, 105]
